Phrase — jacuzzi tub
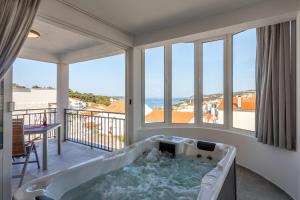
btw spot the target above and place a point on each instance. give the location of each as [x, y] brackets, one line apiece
[217, 184]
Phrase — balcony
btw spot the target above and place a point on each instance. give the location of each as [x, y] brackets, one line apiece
[96, 129]
[88, 134]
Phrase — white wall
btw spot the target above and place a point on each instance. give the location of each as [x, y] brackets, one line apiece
[279, 166]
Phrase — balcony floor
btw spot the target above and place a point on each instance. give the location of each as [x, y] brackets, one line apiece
[250, 186]
[71, 154]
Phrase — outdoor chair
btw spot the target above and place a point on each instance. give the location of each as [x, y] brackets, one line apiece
[22, 149]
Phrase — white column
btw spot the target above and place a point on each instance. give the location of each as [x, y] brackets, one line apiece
[129, 98]
[136, 91]
[62, 96]
[5, 153]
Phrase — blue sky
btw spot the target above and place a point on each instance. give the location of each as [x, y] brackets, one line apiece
[29, 73]
[183, 70]
[213, 67]
[244, 54]
[106, 76]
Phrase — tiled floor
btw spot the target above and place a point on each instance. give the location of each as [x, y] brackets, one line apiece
[72, 154]
[250, 186]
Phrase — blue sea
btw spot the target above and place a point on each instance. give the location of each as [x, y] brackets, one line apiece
[159, 102]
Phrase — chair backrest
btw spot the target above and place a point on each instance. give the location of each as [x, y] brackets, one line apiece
[18, 147]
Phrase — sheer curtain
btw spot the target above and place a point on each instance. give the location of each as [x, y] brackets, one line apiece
[16, 18]
[275, 85]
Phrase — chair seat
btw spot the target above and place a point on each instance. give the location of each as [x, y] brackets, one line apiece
[27, 149]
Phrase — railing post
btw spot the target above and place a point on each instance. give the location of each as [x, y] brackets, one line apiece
[65, 125]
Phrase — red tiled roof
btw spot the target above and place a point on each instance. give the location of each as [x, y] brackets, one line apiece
[116, 106]
[247, 103]
[157, 115]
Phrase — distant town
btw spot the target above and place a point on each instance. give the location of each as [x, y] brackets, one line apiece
[182, 108]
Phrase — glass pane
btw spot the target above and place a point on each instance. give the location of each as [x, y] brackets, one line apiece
[213, 73]
[154, 85]
[244, 94]
[183, 83]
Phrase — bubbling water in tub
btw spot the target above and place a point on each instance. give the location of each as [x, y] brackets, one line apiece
[154, 175]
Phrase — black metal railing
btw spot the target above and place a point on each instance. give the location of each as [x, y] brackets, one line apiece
[97, 129]
[35, 117]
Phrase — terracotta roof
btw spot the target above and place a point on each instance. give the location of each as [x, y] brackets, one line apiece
[157, 115]
[116, 106]
[182, 117]
[247, 103]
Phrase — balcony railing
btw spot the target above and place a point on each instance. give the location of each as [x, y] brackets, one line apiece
[103, 130]
[35, 117]
[97, 129]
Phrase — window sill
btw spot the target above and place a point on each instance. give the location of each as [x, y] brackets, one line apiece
[250, 134]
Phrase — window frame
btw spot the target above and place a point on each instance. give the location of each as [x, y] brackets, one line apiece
[171, 88]
[198, 87]
[204, 124]
[152, 124]
[230, 125]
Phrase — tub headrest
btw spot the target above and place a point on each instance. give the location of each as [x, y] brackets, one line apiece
[167, 147]
[206, 146]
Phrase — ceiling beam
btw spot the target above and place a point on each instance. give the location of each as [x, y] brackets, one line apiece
[66, 16]
[91, 53]
[260, 14]
[32, 54]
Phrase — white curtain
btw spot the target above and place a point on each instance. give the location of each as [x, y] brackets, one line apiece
[275, 81]
[16, 18]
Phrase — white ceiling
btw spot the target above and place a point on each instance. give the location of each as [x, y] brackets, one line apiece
[60, 45]
[141, 16]
[57, 41]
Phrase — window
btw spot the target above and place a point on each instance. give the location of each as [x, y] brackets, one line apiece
[244, 94]
[154, 85]
[181, 86]
[213, 82]
[98, 84]
[183, 83]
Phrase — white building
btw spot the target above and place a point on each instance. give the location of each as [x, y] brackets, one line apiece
[25, 98]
